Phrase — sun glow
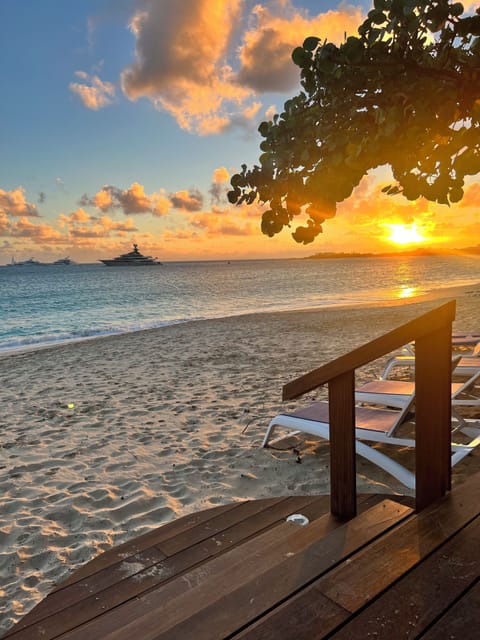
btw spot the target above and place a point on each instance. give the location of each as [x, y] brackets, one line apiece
[404, 234]
[407, 292]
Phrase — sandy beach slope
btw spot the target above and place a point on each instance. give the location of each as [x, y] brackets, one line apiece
[103, 440]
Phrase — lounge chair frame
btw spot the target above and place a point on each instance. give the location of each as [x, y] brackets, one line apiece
[298, 422]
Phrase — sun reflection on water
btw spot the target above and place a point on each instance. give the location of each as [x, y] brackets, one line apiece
[407, 292]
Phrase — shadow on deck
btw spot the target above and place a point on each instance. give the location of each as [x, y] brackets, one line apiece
[243, 571]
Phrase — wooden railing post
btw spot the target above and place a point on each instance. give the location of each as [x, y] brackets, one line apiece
[432, 333]
[433, 376]
[341, 398]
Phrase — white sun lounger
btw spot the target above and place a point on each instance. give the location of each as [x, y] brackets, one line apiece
[465, 366]
[395, 393]
[465, 339]
[468, 344]
[377, 425]
[373, 424]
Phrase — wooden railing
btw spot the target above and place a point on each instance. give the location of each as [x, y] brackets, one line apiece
[432, 334]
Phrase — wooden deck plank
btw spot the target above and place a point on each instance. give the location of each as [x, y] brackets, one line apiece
[323, 624]
[121, 616]
[461, 622]
[419, 598]
[386, 559]
[149, 539]
[85, 599]
[303, 616]
[198, 611]
[173, 544]
[245, 573]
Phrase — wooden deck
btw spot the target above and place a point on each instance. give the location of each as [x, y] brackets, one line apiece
[242, 571]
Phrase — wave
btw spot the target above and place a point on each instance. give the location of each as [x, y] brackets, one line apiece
[48, 340]
[103, 303]
[39, 341]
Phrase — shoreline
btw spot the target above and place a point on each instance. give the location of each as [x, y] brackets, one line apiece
[108, 438]
[449, 291]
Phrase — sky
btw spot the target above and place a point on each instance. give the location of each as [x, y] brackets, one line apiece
[122, 121]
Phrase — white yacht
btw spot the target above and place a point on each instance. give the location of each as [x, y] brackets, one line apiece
[132, 259]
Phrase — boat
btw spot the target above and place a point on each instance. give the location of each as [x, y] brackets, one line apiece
[132, 259]
[63, 261]
[24, 263]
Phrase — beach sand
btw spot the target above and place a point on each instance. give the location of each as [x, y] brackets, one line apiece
[103, 440]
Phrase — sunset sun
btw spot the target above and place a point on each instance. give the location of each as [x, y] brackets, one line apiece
[404, 234]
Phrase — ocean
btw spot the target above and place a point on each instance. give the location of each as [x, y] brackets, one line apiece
[43, 305]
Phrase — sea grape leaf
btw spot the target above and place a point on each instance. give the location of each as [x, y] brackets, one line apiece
[404, 92]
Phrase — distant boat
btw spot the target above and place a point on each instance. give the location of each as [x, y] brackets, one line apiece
[132, 259]
[64, 261]
[24, 263]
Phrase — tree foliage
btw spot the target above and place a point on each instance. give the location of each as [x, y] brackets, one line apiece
[404, 92]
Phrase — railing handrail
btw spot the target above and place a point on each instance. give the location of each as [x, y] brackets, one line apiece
[408, 332]
[432, 334]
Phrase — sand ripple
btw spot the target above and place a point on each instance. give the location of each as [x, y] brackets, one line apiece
[105, 440]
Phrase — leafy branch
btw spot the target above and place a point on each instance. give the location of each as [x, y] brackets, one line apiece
[404, 92]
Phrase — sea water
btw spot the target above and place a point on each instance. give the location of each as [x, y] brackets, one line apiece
[42, 305]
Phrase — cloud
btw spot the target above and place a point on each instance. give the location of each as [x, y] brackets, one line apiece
[270, 112]
[219, 184]
[214, 225]
[112, 225]
[103, 200]
[471, 197]
[470, 5]
[78, 216]
[81, 224]
[265, 54]
[39, 233]
[220, 175]
[195, 59]
[187, 200]
[367, 206]
[13, 203]
[132, 200]
[181, 61]
[94, 93]
[4, 223]
[103, 228]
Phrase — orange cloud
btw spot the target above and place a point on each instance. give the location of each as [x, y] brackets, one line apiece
[13, 203]
[103, 200]
[219, 185]
[213, 224]
[187, 200]
[94, 93]
[470, 5]
[368, 206]
[471, 197]
[132, 200]
[179, 61]
[220, 175]
[265, 54]
[4, 223]
[39, 233]
[82, 225]
[112, 225]
[191, 59]
[80, 215]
